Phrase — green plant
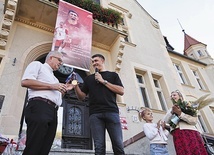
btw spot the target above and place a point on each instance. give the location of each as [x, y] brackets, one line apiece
[104, 15]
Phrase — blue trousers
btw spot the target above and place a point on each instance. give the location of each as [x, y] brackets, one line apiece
[101, 122]
[158, 149]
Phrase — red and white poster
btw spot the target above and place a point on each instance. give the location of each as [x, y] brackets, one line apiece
[123, 122]
[73, 35]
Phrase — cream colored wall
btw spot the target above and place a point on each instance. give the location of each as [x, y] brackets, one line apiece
[22, 40]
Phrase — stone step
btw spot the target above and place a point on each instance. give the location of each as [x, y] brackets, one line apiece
[74, 152]
[71, 152]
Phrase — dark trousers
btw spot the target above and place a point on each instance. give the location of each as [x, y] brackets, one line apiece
[41, 119]
[101, 122]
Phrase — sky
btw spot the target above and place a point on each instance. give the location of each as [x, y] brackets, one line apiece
[196, 17]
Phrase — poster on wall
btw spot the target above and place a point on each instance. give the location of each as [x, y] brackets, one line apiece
[123, 122]
[73, 35]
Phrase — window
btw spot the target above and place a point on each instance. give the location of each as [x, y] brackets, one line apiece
[200, 53]
[202, 124]
[160, 94]
[1, 101]
[198, 79]
[180, 73]
[143, 90]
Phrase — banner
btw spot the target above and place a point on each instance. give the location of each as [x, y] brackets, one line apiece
[73, 35]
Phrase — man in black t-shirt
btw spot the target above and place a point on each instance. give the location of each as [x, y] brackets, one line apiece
[102, 88]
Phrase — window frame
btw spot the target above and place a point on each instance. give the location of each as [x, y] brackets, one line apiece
[143, 90]
[160, 94]
[198, 79]
[202, 124]
[180, 73]
[200, 53]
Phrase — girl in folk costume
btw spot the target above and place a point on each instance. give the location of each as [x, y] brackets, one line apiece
[182, 118]
[156, 133]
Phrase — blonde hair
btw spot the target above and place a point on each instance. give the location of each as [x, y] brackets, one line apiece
[143, 112]
[179, 94]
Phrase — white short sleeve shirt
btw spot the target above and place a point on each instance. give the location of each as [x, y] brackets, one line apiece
[44, 73]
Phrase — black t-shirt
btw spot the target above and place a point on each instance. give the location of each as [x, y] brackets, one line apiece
[101, 99]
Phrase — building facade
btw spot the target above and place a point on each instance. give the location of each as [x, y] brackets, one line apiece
[136, 49]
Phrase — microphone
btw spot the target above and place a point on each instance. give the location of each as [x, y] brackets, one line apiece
[96, 71]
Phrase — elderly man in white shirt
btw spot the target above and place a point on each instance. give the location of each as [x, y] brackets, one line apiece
[44, 97]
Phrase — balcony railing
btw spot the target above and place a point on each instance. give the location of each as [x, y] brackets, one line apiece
[104, 15]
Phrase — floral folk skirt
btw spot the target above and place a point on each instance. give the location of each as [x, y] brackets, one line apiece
[188, 142]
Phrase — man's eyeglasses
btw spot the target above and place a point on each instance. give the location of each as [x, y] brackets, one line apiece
[59, 59]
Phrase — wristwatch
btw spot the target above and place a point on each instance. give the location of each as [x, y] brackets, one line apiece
[105, 82]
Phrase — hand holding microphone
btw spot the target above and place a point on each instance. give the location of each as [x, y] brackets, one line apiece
[96, 70]
[97, 74]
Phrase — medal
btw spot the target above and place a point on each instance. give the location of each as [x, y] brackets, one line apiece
[74, 82]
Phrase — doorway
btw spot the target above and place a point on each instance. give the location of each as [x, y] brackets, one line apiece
[75, 127]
